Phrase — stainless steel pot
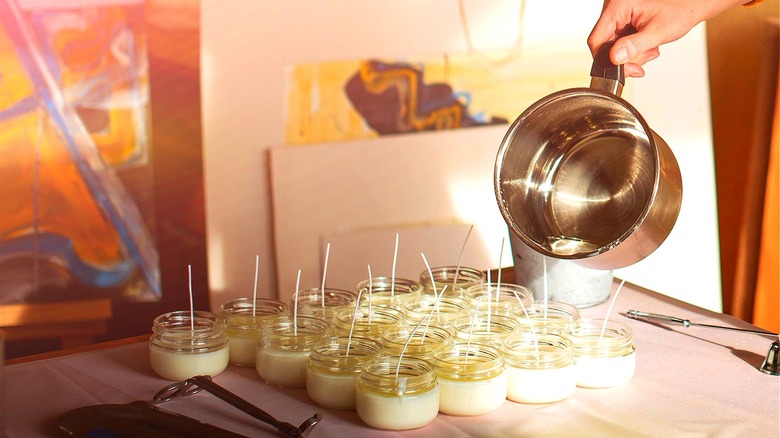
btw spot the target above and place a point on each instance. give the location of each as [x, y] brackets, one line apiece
[581, 176]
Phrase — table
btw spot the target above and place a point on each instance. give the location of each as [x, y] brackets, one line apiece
[689, 382]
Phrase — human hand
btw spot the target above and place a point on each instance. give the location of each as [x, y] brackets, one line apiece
[656, 22]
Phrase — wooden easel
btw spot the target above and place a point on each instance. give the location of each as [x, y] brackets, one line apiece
[74, 323]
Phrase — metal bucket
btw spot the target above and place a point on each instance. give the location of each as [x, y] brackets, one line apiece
[581, 176]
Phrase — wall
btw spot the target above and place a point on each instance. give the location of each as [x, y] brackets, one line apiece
[246, 47]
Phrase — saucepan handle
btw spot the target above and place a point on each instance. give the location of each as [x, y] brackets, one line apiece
[605, 75]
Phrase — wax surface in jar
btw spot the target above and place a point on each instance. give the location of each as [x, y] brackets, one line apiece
[282, 368]
[176, 365]
[396, 412]
[472, 397]
[540, 385]
[243, 348]
[605, 372]
[331, 390]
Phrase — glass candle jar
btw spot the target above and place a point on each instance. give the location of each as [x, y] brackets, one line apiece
[284, 347]
[334, 366]
[485, 328]
[502, 299]
[540, 369]
[369, 322]
[421, 345]
[439, 312]
[404, 400]
[386, 293]
[547, 319]
[448, 276]
[182, 346]
[602, 362]
[312, 302]
[471, 379]
[244, 319]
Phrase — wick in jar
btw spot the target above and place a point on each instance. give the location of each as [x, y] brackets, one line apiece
[370, 292]
[357, 310]
[500, 258]
[436, 295]
[530, 322]
[490, 299]
[254, 294]
[471, 328]
[392, 274]
[192, 305]
[435, 307]
[609, 310]
[544, 281]
[295, 304]
[403, 349]
[460, 257]
[324, 274]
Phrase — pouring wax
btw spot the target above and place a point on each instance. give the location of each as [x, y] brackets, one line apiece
[471, 378]
[244, 320]
[334, 366]
[540, 368]
[284, 348]
[602, 361]
[185, 344]
[397, 393]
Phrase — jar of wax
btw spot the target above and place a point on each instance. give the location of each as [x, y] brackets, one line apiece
[386, 293]
[311, 302]
[502, 299]
[485, 328]
[540, 368]
[441, 312]
[244, 319]
[448, 276]
[471, 379]
[602, 361]
[423, 341]
[284, 347]
[551, 318]
[182, 346]
[397, 393]
[369, 322]
[334, 366]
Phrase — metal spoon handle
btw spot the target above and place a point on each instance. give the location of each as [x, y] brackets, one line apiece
[636, 314]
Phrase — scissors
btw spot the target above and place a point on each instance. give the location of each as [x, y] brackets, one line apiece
[196, 384]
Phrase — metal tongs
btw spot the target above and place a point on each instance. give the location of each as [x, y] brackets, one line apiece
[636, 314]
[196, 384]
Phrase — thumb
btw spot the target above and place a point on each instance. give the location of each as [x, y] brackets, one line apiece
[630, 47]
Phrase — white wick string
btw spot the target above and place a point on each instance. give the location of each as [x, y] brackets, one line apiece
[297, 298]
[370, 292]
[354, 317]
[395, 260]
[609, 309]
[530, 322]
[490, 299]
[544, 281]
[254, 294]
[500, 258]
[471, 327]
[192, 305]
[434, 307]
[411, 335]
[324, 274]
[460, 258]
[433, 282]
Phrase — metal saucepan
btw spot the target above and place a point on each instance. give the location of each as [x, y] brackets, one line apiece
[581, 176]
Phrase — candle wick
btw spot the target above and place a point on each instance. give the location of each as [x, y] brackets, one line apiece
[354, 317]
[254, 294]
[460, 257]
[530, 322]
[295, 303]
[403, 349]
[544, 280]
[395, 259]
[609, 310]
[324, 274]
[192, 305]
